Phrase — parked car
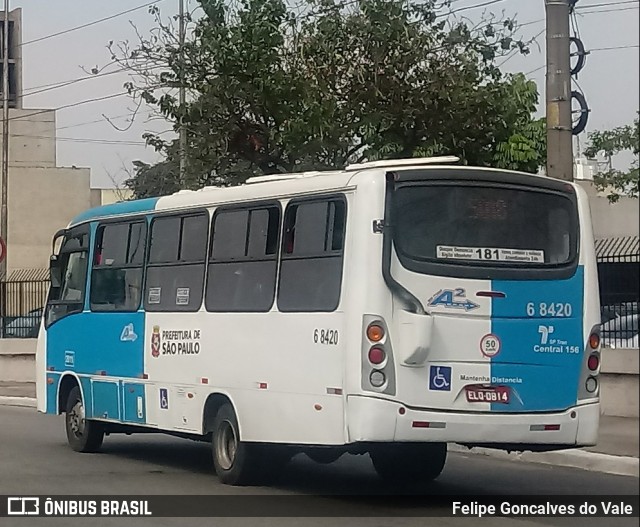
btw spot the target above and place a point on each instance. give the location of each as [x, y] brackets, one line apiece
[23, 327]
[621, 331]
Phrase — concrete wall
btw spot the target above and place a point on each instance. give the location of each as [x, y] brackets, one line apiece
[107, 196]
[612, 220]
[42, 201]
[32, 138]
[17, 360]
[619, 382]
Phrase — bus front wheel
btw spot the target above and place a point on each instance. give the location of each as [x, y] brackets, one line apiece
[234, 461]
[83, 435]
[409, 463]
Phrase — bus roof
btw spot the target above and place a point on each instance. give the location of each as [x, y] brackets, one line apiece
[269, 187]
[116, 209]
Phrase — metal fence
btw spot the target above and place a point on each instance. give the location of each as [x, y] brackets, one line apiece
[21, 307]
[619, 277]
[23, 296]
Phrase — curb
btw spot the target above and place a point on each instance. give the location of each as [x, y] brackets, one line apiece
[573, 458]
[9, 400]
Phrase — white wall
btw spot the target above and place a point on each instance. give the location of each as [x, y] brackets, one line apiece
[42, 201]
[32, 137]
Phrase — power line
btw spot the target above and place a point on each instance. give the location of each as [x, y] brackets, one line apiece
[514, 52]
[111, 17]
[534, 70]
[616, 47]
[605, 4]
[124, 142]
[608, 10]
[628, 46]
[103, 120]
[71, 105]
[466, 8]
[64, 84]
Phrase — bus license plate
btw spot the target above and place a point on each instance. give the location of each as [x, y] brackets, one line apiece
[489, 394]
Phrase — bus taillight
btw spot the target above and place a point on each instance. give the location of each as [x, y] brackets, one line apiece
[593, 362]
[378, 368]
[375, 332]
[594, 341]
[377, 378]
[377, 355]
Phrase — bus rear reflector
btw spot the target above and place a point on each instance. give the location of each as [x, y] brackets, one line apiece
[428, 424]
[544, 428]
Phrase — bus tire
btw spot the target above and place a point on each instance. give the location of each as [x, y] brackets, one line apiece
[409, 463]
[235, 461]
[83, 435]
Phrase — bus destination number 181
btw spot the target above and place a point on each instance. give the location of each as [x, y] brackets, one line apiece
[325, 336]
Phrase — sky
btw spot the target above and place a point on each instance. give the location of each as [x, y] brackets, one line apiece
[609, 80]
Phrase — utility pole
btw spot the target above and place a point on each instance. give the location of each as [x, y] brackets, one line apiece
[183, 131]
[558, 92]
[5, 138]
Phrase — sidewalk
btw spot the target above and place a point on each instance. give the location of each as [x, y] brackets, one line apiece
[616, 451]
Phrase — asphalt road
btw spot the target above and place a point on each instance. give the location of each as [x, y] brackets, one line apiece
[35, 459]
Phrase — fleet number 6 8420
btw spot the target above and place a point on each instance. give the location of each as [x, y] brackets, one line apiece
[551, 309]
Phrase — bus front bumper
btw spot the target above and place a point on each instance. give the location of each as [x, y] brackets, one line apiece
[372, 420]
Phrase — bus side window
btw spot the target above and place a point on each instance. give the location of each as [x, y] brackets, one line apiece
[311, 268]
[116, 277]
[71, 266]
[177, 255]
[243, 261]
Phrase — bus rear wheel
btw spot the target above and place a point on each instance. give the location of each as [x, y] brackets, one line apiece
[235, 461]
[409, 463]
[83, 435]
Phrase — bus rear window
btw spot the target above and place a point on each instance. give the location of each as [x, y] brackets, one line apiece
[484, 226]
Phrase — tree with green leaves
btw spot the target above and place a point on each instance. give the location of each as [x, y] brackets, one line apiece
[272, 89]
[608, 143]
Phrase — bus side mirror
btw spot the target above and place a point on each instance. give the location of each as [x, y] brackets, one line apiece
[55, 273]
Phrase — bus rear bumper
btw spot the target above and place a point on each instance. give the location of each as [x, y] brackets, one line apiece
[371, 420]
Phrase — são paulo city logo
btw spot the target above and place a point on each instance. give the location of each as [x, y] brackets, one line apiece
[155, 341]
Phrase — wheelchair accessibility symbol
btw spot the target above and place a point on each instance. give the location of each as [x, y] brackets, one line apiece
[164, 399]
[440, 378]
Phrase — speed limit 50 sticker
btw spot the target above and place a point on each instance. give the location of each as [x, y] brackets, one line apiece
[490, 345]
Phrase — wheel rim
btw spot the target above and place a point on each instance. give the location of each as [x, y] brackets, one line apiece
[226, 445]
[76, 419]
